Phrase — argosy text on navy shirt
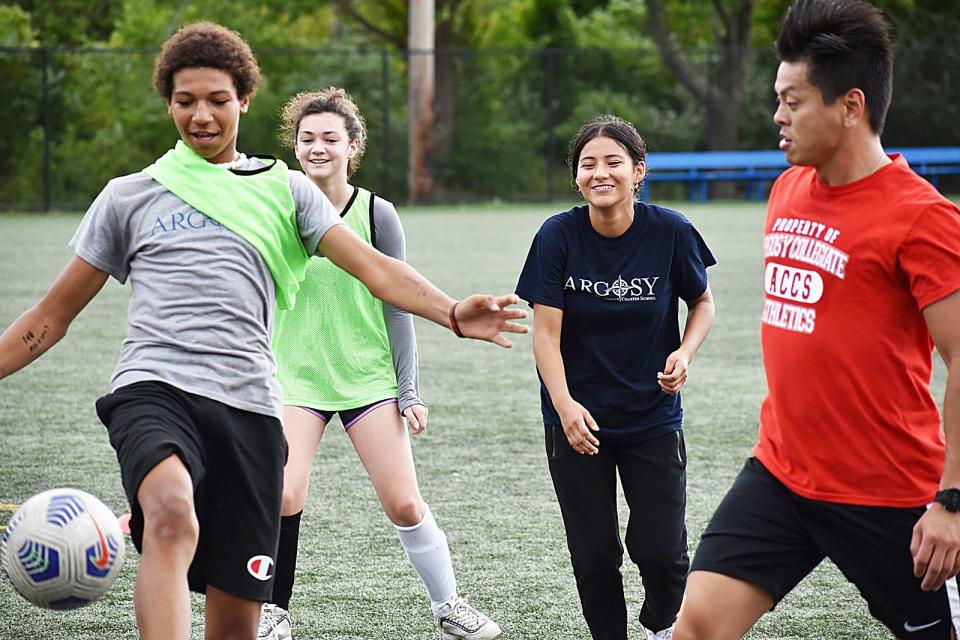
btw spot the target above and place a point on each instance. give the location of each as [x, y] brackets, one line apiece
[619, 298]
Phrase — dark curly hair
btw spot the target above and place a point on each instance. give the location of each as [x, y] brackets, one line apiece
[847, 45]
[206, 44]
[329, 100]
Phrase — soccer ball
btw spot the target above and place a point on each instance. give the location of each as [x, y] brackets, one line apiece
[62, 549]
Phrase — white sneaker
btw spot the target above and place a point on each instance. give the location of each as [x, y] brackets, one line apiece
[665, 634]
[459, 620]
[274, 623]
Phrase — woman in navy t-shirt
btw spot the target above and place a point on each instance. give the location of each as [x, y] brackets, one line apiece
[604, 281]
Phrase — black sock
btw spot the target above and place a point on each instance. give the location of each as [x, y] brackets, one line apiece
[286, 560]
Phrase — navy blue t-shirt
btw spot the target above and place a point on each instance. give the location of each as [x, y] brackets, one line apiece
[619, 298]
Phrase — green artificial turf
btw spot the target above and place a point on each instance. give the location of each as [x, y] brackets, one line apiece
[480, 463]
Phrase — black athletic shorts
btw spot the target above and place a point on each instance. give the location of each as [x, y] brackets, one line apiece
[235, 459]
[769, 536]
[348, 417]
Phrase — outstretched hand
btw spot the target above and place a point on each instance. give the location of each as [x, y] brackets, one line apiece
[485, 317]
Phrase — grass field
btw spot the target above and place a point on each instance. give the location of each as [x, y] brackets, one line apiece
[481, 463]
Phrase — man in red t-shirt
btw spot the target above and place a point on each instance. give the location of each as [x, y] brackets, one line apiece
[862, 280]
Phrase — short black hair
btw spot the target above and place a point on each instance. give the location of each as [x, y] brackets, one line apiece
[206, 44]
[846, 44]
[608, 126]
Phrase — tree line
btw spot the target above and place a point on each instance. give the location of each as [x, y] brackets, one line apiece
[514, 79]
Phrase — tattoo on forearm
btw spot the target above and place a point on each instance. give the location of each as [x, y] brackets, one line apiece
[34, 342]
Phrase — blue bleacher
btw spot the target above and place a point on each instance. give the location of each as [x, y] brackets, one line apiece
[758, 169]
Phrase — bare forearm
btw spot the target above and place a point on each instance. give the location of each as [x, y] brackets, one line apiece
[699, 322]
[941, 319]
[483, 317]
[29, 337]
[44, 324]
[402, 286]
[951, 426]
[389, 279]
[546, 352]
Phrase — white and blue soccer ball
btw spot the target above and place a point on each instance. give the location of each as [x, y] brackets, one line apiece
[62, 549]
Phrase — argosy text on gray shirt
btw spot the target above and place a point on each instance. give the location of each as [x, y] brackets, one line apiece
[202, 298]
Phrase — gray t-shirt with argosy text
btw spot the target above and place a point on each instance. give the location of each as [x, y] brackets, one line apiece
[202, 299]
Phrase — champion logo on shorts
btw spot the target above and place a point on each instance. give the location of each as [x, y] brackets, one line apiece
[259, 567]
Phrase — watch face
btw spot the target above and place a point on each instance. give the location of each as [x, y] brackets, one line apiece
[949, 498]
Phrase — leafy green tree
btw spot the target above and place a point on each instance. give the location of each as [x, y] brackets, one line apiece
[515, 78]
[718, 81]
[926, 81]
[70, 22]
[21, 158]
[16, 29]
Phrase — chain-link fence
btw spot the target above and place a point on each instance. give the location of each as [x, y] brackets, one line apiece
[74, 118]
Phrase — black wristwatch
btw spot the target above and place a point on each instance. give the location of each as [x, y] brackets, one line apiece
[949, 498]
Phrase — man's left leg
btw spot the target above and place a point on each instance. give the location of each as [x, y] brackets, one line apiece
[871, 546]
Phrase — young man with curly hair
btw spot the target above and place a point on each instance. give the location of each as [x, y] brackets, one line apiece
[212, 241]
[862, 279]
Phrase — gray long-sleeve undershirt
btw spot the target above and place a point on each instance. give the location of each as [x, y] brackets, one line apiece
[389, 239]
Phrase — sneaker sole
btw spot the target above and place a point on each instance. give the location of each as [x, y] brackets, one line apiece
[449, 636]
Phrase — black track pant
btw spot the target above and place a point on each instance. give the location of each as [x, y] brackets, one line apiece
[653, 476]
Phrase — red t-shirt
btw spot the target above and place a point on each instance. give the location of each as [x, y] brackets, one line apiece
[849, 416]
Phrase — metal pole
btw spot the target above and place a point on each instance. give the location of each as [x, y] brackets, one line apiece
[385, 91]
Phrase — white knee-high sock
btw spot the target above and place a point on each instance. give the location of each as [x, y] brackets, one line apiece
[427, 550]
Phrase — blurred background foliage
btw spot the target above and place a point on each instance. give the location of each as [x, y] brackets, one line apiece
[514, 81]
